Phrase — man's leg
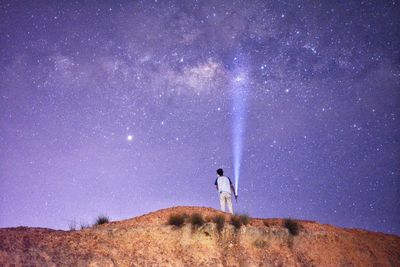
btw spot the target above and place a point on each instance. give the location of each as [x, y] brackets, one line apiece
[229, 200]
[222, 201]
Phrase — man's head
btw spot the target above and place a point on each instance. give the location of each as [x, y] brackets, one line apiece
[220, 172]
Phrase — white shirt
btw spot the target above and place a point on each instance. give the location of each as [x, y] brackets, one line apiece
[224, 184]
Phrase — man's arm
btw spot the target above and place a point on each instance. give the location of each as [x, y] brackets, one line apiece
[232, 187]
[216, 184]
[233, 190]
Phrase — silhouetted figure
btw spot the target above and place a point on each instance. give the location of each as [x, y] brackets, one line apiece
[225, 189]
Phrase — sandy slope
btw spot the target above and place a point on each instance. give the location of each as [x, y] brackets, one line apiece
[148, 241]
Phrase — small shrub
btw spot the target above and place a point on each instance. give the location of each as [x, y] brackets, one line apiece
[176, 220]
[84, 225]
[244, 219]
[266, 223]
[292, 226]
[196, 220]
[219, 220]
[72, 226]
[102, 219]
[236, 222]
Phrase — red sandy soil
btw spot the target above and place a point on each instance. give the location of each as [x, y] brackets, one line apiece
[148, 240]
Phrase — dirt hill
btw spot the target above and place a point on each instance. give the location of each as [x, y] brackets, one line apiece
[148, 240]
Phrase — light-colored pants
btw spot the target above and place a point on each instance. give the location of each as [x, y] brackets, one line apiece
[225, 198]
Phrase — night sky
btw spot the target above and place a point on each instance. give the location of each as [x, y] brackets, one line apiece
[126, 108]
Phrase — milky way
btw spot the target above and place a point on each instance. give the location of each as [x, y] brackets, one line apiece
[125, 107]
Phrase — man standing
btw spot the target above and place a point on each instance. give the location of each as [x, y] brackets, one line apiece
[224, 187]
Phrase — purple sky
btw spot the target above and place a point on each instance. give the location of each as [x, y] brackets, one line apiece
[321, 138]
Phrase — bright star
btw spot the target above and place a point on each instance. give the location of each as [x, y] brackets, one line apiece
[240, 78]
[129, 137]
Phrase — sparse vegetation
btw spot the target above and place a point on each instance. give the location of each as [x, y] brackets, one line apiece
[244, 219]
[176, 220]
[102, 219]
[219, 220]
[292, 226]
[196, 220]
[72, 226]
[84, 225]
[236, 222]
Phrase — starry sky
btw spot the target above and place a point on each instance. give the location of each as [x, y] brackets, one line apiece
[126, 107]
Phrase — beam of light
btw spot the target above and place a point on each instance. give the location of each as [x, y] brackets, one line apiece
[239, 93]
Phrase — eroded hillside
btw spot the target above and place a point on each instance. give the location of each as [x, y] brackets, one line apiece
[148, 240]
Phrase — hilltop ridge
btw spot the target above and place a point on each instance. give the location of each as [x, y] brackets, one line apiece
[148, 240]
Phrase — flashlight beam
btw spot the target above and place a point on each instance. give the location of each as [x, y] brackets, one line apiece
[239, 88]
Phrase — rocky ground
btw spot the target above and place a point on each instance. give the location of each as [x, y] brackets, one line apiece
[148, 240]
